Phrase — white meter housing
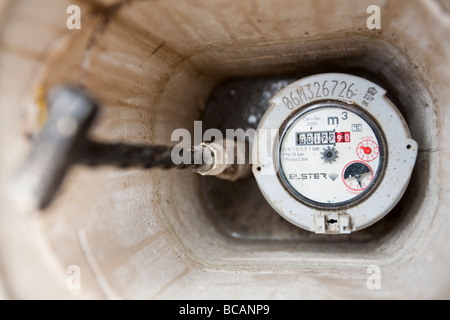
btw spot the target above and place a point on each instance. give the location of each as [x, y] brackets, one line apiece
[342, 155]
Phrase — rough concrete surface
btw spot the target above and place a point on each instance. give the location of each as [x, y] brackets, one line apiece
[163, 235]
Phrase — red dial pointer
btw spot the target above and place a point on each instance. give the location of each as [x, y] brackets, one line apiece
[367, 150]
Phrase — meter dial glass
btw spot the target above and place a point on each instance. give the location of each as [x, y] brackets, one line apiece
[331, 155]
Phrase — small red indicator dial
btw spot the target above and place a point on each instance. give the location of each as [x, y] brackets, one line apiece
[367, 150]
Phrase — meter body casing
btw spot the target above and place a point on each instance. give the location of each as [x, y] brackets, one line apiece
[394, 153]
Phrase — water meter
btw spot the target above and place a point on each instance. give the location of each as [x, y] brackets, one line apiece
[333, 154]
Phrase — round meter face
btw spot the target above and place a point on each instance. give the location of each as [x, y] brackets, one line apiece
[331, 155]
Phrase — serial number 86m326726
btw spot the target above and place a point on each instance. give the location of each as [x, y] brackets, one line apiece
[316, 90]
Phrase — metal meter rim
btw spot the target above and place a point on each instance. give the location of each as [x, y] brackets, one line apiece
[401, 151]
[376, 127]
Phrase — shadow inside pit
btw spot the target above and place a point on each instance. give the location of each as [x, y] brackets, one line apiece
[239, 209]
